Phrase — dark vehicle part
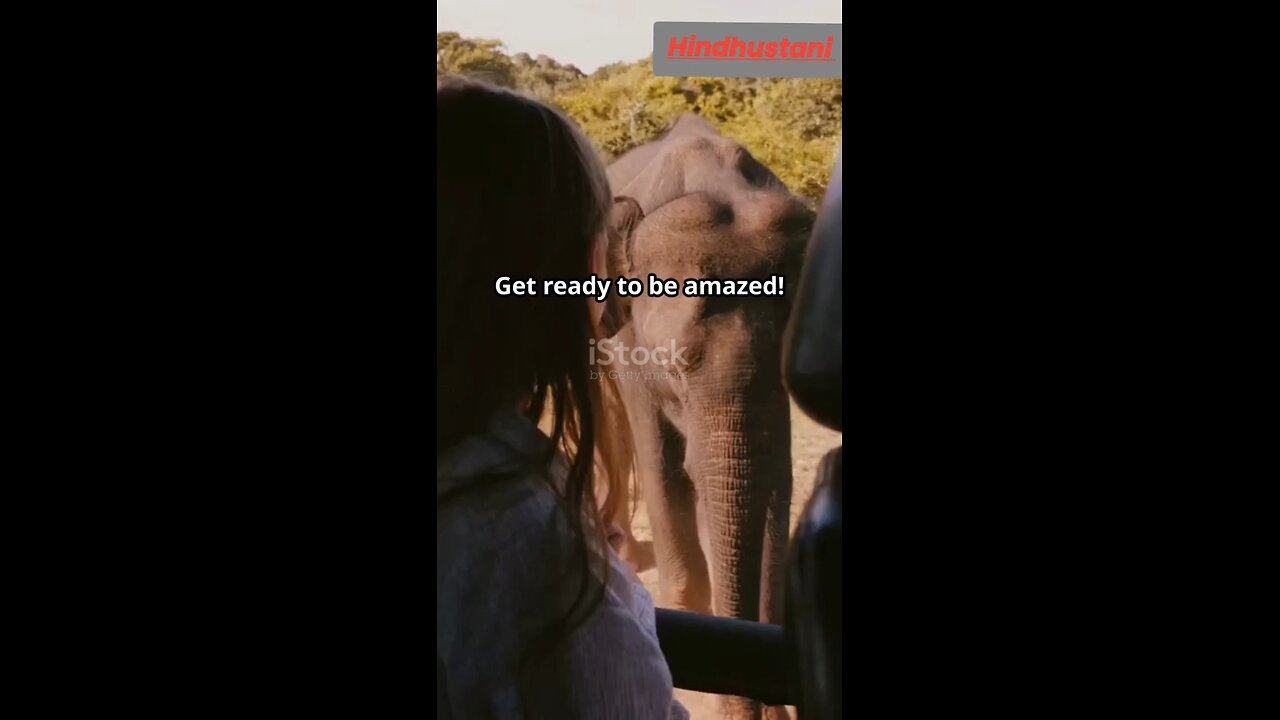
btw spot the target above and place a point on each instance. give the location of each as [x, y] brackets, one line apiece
[815, 597]
[813, 366]
[725, 656]
[812, 355]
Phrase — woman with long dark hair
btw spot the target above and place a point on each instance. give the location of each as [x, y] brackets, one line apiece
[536, 616]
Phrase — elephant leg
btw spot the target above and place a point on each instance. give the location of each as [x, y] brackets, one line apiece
[672, 506]
[669, 499]
[776, 541]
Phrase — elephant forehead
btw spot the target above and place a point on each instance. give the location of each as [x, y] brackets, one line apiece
[708, 233]
[689, 164]
[705, 150]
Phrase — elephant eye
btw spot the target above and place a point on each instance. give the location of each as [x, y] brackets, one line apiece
[719, 304]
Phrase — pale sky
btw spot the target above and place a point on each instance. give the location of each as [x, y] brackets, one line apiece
[591, 33]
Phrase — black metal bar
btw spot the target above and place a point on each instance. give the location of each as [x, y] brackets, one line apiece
[725, 657]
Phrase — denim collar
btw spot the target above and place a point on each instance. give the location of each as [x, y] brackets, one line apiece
[510, 444]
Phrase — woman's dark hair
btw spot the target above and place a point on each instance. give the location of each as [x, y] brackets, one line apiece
[520, 194]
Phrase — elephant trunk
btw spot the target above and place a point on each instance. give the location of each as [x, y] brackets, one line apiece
[740, 462]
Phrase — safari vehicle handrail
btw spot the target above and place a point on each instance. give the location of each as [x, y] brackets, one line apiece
[724, 656]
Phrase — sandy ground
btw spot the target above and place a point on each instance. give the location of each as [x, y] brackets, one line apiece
[809, 442]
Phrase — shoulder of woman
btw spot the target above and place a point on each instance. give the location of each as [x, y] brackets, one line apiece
[500, 551]
[513, 519]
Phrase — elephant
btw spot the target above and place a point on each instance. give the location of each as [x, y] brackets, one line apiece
[712, 429]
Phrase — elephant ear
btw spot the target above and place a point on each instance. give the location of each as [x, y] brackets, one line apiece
[624, 217]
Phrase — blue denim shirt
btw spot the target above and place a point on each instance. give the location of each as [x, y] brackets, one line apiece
[503, 574]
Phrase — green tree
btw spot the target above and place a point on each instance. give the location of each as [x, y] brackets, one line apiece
[794, 127]
[544, 78]
[623, 108]
[482, 59]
